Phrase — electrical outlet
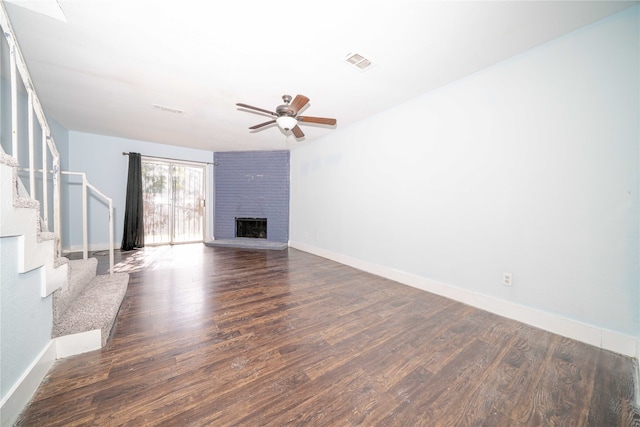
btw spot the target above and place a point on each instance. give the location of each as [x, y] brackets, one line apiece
[507, 279]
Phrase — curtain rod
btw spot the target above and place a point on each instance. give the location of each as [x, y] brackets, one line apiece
[124, 153]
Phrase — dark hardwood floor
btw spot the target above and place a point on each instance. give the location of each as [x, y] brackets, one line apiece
[222, 337]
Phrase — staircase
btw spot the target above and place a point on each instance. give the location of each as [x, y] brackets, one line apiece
[20, 216]
[84, 305]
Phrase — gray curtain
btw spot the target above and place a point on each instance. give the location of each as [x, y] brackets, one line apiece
[133, 235]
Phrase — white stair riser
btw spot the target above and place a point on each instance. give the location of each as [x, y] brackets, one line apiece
[24, 223]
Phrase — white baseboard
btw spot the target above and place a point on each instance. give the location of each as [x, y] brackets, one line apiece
[91, 248]
[83, 342]
[626, 345]
[23, 390]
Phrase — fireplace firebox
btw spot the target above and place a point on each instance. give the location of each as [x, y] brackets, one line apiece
[251, 227]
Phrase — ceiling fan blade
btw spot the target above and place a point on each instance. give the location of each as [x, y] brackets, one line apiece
[321, 120]
[297, 131]
[262, 124]
[298, 102]
[251, 107]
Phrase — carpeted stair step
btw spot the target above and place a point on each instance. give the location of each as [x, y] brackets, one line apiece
[81, 273]
[95, 308]
[88, 302]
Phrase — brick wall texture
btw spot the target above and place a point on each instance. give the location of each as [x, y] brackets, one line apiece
[252, 184]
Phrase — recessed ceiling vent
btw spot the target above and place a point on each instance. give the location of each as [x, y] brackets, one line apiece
[358, 61]
[168, 109]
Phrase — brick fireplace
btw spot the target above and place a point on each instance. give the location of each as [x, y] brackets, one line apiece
[252, 186]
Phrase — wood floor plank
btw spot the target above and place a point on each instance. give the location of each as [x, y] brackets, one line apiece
[561, 394]
[417, 408]
[505, 382]
[64, 380]
[223, 336]
[613, 385]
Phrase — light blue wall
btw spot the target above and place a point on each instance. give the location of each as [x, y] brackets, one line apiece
[528, 167]
[101, 158]
[25, 317]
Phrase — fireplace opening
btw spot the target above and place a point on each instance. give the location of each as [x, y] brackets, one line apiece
[251, 227]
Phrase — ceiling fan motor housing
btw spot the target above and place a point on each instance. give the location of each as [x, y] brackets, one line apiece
[285, 110]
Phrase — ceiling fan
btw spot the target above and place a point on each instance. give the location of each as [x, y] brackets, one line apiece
[286, 115]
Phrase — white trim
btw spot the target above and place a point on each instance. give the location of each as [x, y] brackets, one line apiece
[610, 340]
[83, 342]
[97, 247]
[23, 390]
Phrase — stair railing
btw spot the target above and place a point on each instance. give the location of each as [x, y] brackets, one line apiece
[86, 185]
[18, 69]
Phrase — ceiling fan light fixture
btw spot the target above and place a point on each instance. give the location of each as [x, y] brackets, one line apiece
[286, 122]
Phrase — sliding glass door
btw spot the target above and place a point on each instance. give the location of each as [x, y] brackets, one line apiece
[174, 199]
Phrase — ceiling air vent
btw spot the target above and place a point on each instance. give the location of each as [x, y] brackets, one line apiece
[168, 109]
[358, 61]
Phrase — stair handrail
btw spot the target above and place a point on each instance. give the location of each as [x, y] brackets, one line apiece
[85, 240]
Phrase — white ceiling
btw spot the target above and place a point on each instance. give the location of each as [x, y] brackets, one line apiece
[103, 69]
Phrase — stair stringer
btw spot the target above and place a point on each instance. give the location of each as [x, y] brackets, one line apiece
[20, 217]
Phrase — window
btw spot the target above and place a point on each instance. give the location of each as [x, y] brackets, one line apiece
[174, 200]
